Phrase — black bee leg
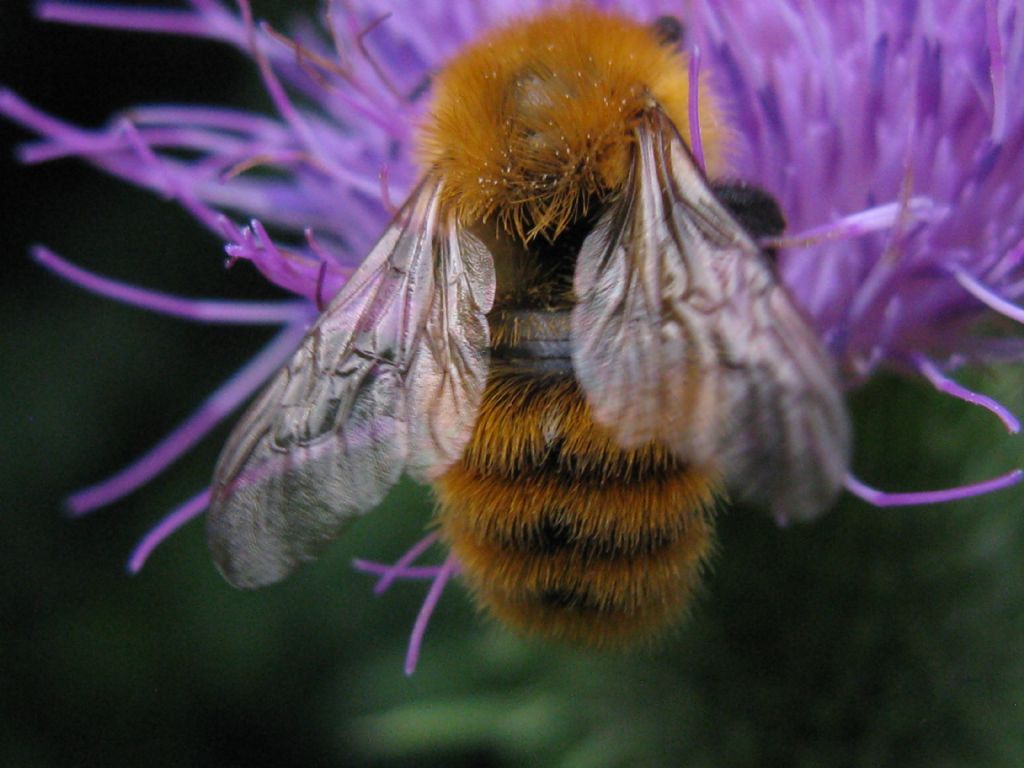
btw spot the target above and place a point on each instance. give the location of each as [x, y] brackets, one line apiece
[754, 209]
[669, 31]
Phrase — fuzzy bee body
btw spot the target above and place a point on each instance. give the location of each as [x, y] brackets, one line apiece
[567, 332]
[560, 531]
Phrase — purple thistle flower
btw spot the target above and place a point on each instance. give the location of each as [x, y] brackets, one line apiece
[886, 131]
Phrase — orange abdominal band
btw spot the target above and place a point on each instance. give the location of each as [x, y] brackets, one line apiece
[562, 533]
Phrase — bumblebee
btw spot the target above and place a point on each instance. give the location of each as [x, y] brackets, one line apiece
[568, 330]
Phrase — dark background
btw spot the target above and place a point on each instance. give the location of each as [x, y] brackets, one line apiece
[869, 638]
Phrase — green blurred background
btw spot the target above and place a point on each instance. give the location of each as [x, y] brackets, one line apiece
[871, 638]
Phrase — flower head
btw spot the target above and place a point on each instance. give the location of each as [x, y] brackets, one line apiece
[886, 131]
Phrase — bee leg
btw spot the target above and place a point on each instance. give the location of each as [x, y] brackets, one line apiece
[670, 31]
[754, 209]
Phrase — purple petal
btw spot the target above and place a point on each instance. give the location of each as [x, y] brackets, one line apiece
[997, 72]
[875, 219]
[166, 527]
[172, 22]
[946, 385]
[292, 271]
[197, 310]
[404, 561]
[988, 296]
[879, 498]
[412, 655]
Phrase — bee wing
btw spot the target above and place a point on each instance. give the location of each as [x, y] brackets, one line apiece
[644, 347]
[683, 335]
[388, 379]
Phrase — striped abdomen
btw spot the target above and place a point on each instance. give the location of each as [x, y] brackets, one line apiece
[561, 532]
